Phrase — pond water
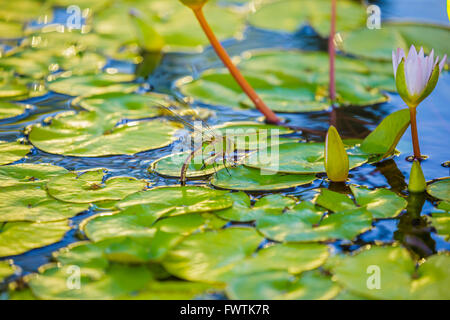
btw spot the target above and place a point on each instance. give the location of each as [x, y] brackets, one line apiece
[433, 120]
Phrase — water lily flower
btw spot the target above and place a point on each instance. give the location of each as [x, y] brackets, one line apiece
[336, 159]
[416, 77]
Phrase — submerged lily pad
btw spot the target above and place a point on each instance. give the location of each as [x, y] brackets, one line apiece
[306, 223]
[440, 189]
[93, 84]
[117, 280]
[250, 179]
[90, 186]
[280, 285]
[381, 203]
[441, 222]
[12, 151]
[6, 269]
[91, 134]
[297, 158]
[28, 174]
[209, 256]
[19, 237]
[398, 278]
[291, 15]
[243, 211]
[378, 44]
[11, 110]
[292, 81]
[32, 203]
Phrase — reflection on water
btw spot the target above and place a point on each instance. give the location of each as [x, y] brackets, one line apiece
[411, 228]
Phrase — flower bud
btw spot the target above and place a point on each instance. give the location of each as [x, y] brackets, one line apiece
[336, 158]
[417, 182]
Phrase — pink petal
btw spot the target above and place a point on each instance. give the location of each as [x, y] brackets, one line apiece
[442, 64]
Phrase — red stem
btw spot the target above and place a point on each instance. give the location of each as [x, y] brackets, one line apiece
[414, 134]
[223, 55]
[332, 53]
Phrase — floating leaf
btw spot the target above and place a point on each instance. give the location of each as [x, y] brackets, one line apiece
[89, 187]
[12, 151]
[249, 179]
[281, 285]
[172, 21]
[440, 189]
[243, 211]
[296, 158]
[209, 256]
[387, 134]
[130, 106]
[379, 44]
[293, 258]
[11, 110]
[95, 284]
[19, 237]
[397, 276]
[28, 174]
[172, 290]
[304, 224]
[291, 15]
[10, 30]
[381, 203]
[91, 134]
[6, 269]
[32, 203]
[93, 84]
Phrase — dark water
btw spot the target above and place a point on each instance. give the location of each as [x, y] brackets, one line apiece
[433, 119]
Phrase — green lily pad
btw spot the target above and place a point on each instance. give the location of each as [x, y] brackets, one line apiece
[440, 189]
[209, 256]
[441, 222]
[379, 44]
[305, 224]
[172, 290]
[12, 87]
[6, 269]
[172, 21]
[89, 187]
[398, 278]
[93, 84]
[92, 134]
[250, 179]
[32, 203]
[292, 81]
[23, 11]
[153, 240]
[293, 258]
[291, 15]
[172, 201]
[297, 158]
[381, 203]
[19, 237]
[280, 285]
[28, 174]
[243, 211]
[10, 30]
[12, 151]
[95, 284]
[129, 105]
[11, 110]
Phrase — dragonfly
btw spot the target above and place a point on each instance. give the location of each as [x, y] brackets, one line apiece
[213, 143]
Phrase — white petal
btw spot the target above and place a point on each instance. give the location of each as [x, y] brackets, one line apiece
[442, 64]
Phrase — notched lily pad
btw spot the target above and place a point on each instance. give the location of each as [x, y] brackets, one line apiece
[305, 223]
[250, 179]
[29, 174]
[90, 186]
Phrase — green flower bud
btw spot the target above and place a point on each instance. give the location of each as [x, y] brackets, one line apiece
[336, 158]
[194, 4]
[417, 182]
